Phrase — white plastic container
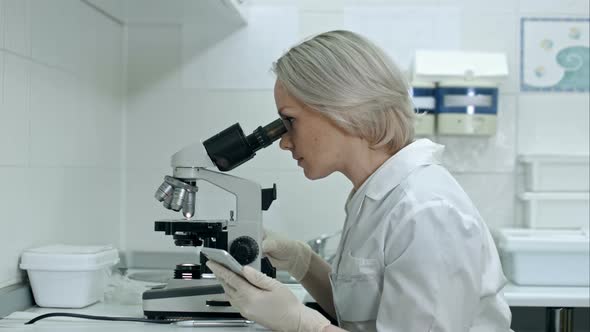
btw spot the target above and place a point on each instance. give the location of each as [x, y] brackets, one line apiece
[532, 257]
[64, 276]
[556, 210]
[556, 173]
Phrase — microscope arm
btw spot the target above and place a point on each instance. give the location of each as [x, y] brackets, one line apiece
[247, 193]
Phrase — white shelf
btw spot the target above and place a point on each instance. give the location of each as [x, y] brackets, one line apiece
[551, 158]
[555, 196]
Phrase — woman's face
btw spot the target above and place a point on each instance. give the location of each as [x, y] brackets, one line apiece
[318, 145]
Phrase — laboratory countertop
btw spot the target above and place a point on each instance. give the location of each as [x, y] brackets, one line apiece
[515, 296]
[15, 321]
[543, 296]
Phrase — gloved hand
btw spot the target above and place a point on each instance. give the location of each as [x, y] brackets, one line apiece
[287, 255]
[267, 301]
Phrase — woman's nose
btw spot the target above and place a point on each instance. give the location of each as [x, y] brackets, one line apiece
[285, 142]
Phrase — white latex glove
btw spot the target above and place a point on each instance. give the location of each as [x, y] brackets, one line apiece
[287, 255]
[267, 301]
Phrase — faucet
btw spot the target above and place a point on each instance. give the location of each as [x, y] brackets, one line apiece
[318, 245]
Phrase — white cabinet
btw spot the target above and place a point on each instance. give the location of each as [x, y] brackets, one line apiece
[226, 13]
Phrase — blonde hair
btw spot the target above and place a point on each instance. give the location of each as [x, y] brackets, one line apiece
[353, 82]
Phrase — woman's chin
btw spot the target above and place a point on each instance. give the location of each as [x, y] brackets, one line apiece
[308, 174]
[311, 175]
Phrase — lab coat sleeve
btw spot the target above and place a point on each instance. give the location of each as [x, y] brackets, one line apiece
[432, 280]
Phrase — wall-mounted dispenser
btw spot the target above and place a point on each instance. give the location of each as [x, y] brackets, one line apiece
[467, 89]
[423, 96]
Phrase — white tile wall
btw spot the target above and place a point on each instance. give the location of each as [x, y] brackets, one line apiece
[314, 22]
[14, 114]
[326, 5]
[481, 32]
[2, 23]
[492, 194]
[17, 30]
[60, 127]
[553, 123]
[564, 7]
[1, 75]
[15, 222]
[486, 5]
[485, 154]
[304, 209]
[72, 129]
[54, 32]
[154, 59]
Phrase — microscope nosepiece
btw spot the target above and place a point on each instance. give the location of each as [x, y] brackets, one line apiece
[188, 206]
[163, 191]
[168, 202]
[178, 199]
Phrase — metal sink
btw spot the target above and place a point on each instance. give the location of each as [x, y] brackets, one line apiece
[158, 276]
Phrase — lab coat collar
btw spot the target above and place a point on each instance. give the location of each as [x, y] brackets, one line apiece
[394, 170]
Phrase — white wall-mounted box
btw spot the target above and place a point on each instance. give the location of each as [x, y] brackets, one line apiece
[555, 210]
[65, 276]
[556, 172]
[467, 88]
[533, 257]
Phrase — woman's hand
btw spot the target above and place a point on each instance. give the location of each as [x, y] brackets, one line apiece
[267, 301]
[287, 255]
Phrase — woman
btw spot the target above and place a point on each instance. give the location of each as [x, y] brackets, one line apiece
[415, 255]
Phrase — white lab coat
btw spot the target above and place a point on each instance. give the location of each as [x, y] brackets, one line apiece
[415, 255]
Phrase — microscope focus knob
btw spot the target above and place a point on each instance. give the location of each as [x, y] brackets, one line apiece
[244, 249]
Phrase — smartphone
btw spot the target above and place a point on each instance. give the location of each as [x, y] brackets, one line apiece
[222, 257]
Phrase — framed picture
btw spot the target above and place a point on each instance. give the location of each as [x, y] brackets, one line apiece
[554, 54]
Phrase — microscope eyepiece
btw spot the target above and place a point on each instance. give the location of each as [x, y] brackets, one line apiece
[231, 148]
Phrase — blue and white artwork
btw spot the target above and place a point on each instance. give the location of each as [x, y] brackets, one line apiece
[555, 54]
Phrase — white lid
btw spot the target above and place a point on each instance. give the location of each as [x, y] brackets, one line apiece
[61, 257]
[460, 66]
[416, 83]
[543, 240]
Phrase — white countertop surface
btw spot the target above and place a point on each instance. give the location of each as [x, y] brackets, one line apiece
[540, 296]
[515, 296]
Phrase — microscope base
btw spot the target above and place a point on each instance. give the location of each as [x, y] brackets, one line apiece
[204, 301]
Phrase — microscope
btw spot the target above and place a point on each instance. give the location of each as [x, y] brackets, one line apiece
[194, 292]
